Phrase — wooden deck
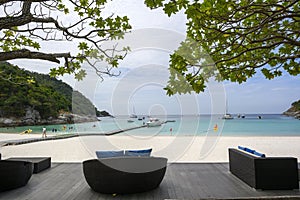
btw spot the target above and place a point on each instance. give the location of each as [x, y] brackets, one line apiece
[182, 181]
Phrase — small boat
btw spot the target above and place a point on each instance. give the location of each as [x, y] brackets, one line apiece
[171, 120]
[130, 120]
[133, 115]
[227, 116]
[154, 122]
[241, 116]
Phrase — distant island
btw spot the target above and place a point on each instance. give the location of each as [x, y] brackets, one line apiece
[294, 110]
[30, 98]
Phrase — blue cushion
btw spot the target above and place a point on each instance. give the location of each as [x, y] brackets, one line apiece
[252, 151]
[259, 154]
[142, 152]
[109, 154]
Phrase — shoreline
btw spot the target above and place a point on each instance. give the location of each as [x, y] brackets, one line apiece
[47, 123]
[175, 148]
[83, 133]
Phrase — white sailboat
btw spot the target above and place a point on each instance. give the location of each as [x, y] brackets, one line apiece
[133, 115]
[153, 122]
[227, 115]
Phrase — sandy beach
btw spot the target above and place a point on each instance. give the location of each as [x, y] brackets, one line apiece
[176, 149]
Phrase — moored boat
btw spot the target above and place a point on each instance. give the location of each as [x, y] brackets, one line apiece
[133, 116]
[153, 122]
[227, 116]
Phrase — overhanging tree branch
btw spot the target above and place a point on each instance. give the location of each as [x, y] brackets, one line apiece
[25, 53]
[25, 23]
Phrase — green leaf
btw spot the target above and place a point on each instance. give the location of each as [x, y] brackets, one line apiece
[80, 75]
[83, 46]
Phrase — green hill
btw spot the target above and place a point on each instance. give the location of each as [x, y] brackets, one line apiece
[28, 98]
[294, 110]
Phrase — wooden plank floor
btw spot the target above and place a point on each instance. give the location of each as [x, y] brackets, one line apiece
[182, 181]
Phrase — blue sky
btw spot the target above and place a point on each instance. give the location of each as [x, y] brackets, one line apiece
[144, 74]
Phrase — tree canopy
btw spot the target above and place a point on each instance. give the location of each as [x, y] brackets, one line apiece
[226, 39]
[23, 24]
[231, 39]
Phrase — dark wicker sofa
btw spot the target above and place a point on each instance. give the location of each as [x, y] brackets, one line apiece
[124, 175]
[270, 173]
[14, 174]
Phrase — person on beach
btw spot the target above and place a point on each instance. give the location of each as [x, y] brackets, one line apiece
[44, 132]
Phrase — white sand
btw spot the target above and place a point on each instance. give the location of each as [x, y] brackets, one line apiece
[15, 136]
[176, 149]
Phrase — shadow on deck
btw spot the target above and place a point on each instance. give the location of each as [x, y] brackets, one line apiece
[182, 181]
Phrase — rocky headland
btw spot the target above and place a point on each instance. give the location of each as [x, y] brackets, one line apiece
[33, 117]
[294, 110]
[29, 98]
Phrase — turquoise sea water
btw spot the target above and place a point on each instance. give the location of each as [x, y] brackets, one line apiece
[269, 125]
